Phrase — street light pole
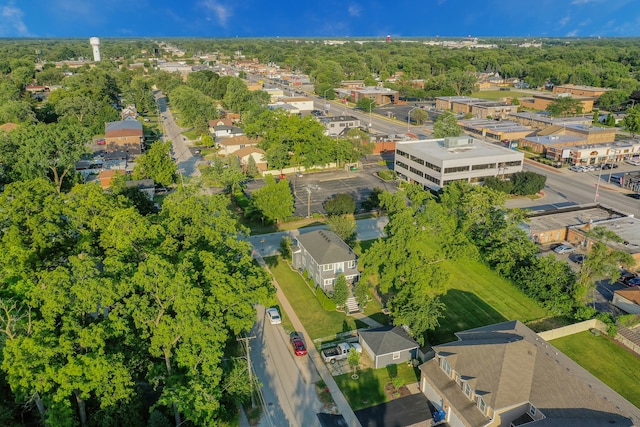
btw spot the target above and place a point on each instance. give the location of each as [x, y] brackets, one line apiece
[409, 118]
[595, 198]
[324, 96]
[370, 105]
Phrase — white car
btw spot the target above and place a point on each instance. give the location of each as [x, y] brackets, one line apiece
[563, 249]
[274, 316]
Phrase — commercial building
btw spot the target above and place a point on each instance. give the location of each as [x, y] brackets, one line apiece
[498, 130]
[434, 163]
[541, 120]
[124, 135]
[479, 108]
[579, 90]
[381, 95]
[541, 102]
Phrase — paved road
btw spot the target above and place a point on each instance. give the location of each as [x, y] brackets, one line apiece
[187, 163]
[288, 382]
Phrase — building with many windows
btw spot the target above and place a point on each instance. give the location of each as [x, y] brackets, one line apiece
[434, 163]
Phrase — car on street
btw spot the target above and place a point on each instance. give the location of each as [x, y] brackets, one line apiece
[298, 344]
[101, 141]
[633, 196]
[274, 316]
[625, 276]
[563, 249]
[633, 162]
[610, 166]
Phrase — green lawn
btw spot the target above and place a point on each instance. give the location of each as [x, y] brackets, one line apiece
[611, 363]
[318, 322]
[497, 94]
[368, 389]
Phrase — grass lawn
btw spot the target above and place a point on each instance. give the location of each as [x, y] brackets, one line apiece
[611, 363]
[497, 94]
[318, 322]
[368, 389]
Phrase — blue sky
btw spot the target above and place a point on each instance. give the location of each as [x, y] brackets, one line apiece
[327, 18]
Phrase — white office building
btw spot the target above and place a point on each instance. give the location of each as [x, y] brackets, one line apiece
[434, 163]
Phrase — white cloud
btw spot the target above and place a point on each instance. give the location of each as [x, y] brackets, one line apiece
[11, 24]
[572, 33]
[564, 21]
[355, 10]
[222, 12]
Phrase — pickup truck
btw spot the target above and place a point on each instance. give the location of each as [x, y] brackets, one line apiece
[339, 352]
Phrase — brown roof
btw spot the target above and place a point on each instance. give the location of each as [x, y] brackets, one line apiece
[122, 132]
[238, 140]
[8, 127]
[105, 177]
[298, 99]
[248, 150]
[632, 294]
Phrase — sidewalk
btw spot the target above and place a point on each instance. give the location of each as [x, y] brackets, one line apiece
[338, 397]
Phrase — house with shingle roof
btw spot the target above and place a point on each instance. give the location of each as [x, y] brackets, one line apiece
[222, 131]
[324, 256]
[506, 375]
[124, 135]
[232, 144]
[258, 155]
[388, 345]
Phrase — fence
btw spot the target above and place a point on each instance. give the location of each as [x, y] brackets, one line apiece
[573, 329]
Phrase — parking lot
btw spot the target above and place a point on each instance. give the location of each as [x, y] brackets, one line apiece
[312, 189]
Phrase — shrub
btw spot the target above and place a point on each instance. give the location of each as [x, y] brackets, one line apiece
[387, 175]
[340, 204]
[526, 183]
[499, 184]
[628, 320]
[326, 302]
[397, 382]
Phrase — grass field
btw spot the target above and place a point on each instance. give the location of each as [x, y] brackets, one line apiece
[318, 322]
[368, 389]
[612, 364]
[497, 94]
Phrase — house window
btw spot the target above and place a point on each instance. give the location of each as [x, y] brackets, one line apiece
[481, 405]
[532, 410]
[351, 264]
[327, 267]
[446, 367]
[328, 282]
[396, 355]
[467, 389]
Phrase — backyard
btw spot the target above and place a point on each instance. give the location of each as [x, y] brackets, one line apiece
[611, 363]
[369, 388]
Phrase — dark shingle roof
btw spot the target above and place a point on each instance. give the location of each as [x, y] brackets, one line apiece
[123, 125]
[326, 247]
[388, 339]
[509, 364]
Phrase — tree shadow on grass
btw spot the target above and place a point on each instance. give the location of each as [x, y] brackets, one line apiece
[463, 310]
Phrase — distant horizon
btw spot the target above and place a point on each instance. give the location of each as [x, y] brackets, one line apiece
[226, 19]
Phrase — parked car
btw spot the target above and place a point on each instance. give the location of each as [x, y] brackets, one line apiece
[339, 352]
[298, 344]
[274, 316]
[578, 258]
[633, 282]
[101, 141]
[625, 276]
[633, 162]
[633, 196]
[563, 249]
[610, 166]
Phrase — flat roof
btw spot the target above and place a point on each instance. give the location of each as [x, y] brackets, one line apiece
[553, 220]
[583, 87]
[589, 127]
[628, 228]
[553, 139]
[435, 148]
[546, 118]
[501, 126]
[372, 89]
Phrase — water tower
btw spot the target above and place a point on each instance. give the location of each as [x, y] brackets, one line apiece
[95, 44]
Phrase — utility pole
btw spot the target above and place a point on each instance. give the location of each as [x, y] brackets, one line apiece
[245, 340]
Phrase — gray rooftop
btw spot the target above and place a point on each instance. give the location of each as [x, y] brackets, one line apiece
[326, 247]
[627, 228]
[123, 124]
[559, 219]
[435, 148]
[553, 139]
[501, 126]
[509, 364]
[388, 339]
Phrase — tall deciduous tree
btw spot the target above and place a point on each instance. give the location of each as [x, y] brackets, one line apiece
[564, 106]
[446, 125]
[274, 200]
[156, 164]
[631, 121]
[340, 291]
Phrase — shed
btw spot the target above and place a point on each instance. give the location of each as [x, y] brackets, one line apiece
[388, 345]
[627, 300]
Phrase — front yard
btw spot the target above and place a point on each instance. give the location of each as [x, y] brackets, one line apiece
[317, 321]
[611, 363]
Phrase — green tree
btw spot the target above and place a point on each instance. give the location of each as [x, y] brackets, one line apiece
[611, 120]
[252, 169]
[526, 183]
[340, 204]
[446, 125]
[156, 164]
[340, 291]
[237, 96]
[366, 104]
[419, 116]
[344, 227]
[631, 121]
[353, 358]
[274, 201]
[564, 106]
[612, 99]
[361, 293]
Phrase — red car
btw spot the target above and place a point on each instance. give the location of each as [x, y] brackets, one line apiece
[101, 142]
[298, 344]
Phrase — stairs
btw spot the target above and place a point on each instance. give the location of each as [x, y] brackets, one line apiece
[351, 306]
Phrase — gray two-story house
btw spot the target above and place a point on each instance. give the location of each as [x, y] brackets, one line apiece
[324, 256]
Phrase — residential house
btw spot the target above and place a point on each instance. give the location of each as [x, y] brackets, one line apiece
[224, 131]
[105, 177]
[339, 125]
[232, 144]
[434, 163]
[324, 256]
[627, 300]
[506, 375]
[146, 186]
[129, 111]
[301, 103]
[124, 135]
[388, 345]
[258, 155]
